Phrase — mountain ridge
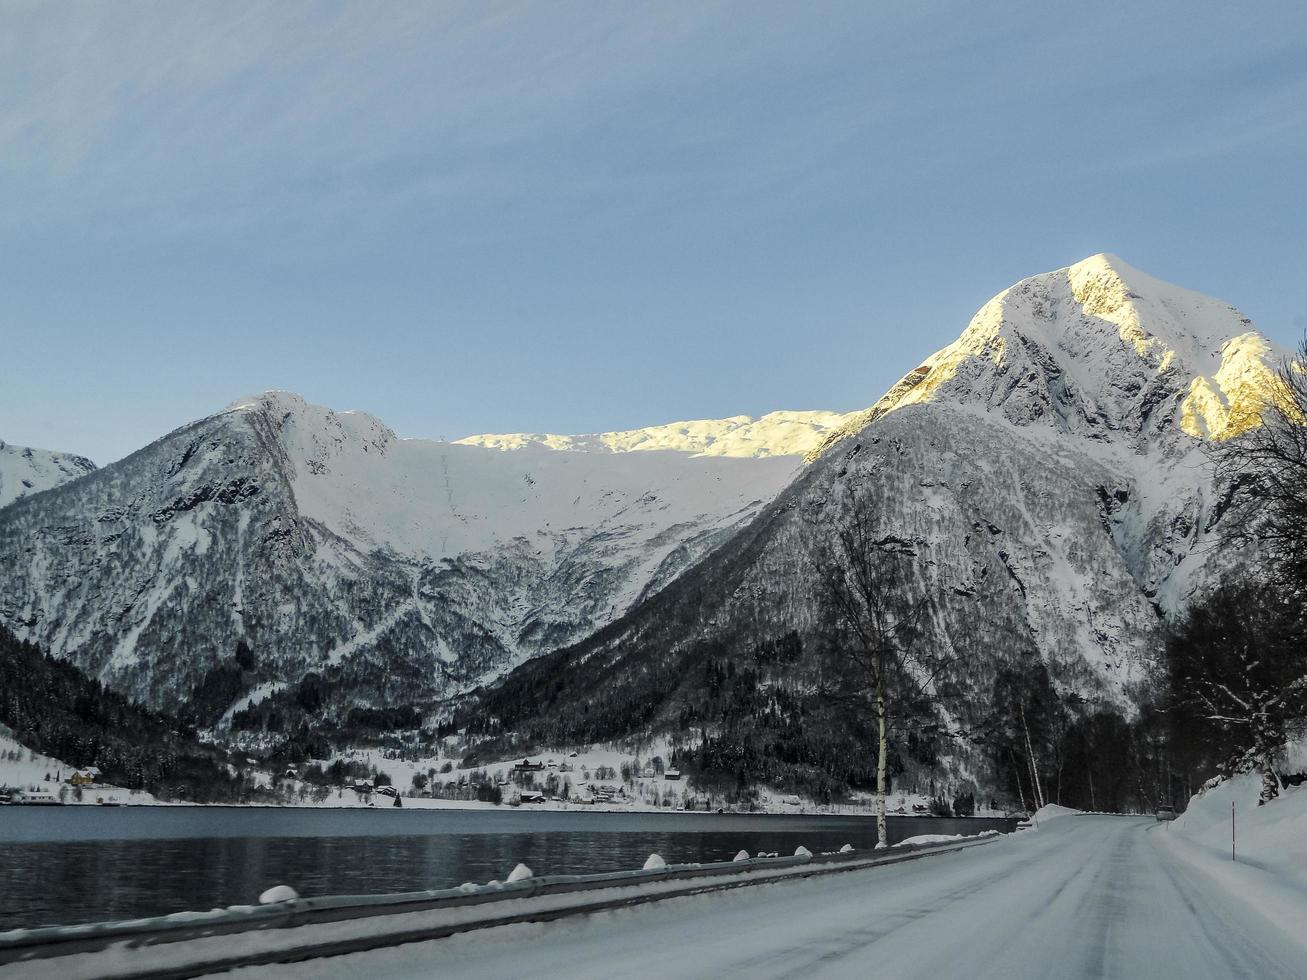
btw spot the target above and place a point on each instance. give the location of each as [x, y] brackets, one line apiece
[1047, 465]
[325, 542]
[25, 470]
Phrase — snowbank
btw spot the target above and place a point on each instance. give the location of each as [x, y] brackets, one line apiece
[1050, 811]
[928, 839]
[1268, 872]
[942, 838]
[1271, 837]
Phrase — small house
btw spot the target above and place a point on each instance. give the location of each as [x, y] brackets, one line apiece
[672, 774]
[38, 797]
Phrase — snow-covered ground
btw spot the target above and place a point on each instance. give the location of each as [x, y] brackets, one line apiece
[1086, 896]
[22, 768]
[1272, 838]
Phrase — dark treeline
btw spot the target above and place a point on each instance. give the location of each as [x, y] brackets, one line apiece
[316, 716]
[55, 709]
[745, 718]
[1046, 746]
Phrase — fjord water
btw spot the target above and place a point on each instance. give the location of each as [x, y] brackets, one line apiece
[60, 865]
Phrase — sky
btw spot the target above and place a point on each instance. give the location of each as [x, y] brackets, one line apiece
[577, 217]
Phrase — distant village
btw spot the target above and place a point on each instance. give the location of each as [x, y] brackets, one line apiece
[537, 781]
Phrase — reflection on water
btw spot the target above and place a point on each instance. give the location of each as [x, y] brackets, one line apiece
[77, 864]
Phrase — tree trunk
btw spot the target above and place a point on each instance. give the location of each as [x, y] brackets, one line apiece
[1270, 782]
[882, 764]
[1034, 765]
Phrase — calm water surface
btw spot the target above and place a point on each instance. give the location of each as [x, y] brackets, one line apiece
[83, 864]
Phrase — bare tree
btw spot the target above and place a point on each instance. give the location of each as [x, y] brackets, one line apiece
[1234, 668]
[873, 651]
[1265, 468]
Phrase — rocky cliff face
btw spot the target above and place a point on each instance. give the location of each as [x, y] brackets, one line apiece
[321, 540]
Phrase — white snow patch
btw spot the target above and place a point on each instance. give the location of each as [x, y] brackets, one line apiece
[520, 873]
[1050, 811]
[278, 893]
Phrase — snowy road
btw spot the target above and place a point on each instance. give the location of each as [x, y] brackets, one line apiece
[1080, 897]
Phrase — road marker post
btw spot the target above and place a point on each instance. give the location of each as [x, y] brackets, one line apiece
[1232, 857]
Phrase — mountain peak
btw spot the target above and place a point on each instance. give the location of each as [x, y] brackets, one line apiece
[25, 471]
[1101, 350]
[313, 433]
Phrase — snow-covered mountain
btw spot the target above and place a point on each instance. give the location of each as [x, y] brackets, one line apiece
[411, 568]
[1126, 372]
[774, 434]
[1047, 469]
[25, 471]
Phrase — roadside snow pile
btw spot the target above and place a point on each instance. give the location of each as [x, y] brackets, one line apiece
[927, 839]
[1051, 810]
[278, 893]
[1271, 837]
[941, 838]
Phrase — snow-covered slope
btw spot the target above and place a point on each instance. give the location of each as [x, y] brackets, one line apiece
[1099, 351]
[774, 434]
[26, 471]
[1132, 374]
[323, 540]
[22, 768]
[1047, 470]
[1269, 837]
[1268, 867]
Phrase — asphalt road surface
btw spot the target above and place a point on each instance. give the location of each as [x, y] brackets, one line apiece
[1083, 896]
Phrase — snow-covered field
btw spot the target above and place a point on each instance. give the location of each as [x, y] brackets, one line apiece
[21, 768]
[1084, 896]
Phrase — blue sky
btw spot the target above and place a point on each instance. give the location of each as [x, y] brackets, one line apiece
[575, 217]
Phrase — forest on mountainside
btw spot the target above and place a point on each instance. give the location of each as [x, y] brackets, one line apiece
[55, 709]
